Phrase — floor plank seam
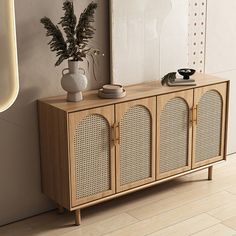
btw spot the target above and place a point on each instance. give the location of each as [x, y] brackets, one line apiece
[204, 229]
[177, 222]
[207, 212]
[113, 231]
[224, 188]
[227, 225]
[132, 208]
[230, 192]
[184, 203]
[134, 217]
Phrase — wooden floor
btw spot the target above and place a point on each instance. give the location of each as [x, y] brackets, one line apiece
[189, 205]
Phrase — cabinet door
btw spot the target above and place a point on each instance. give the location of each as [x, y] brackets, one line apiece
[135, 150]
[209, 125]
[92, 154]
[174, 133]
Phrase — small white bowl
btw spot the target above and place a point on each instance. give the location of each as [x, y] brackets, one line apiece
[112, 89]
[111, 95]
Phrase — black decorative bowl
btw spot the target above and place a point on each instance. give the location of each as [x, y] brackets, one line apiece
[186, 73]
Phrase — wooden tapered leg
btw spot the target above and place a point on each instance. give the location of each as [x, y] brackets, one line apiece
[77, 217]
[210, 173]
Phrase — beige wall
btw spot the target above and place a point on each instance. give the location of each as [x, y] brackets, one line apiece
[20, 194]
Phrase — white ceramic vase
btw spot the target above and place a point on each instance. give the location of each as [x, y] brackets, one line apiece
[74, 82]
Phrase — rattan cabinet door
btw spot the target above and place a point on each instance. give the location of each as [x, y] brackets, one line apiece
[135, 148]
[174, 133]
[92, 154]
[209, 125]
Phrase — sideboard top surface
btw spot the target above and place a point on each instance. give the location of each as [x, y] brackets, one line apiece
[137, 91]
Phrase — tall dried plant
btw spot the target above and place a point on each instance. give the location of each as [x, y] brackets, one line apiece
[78, 34]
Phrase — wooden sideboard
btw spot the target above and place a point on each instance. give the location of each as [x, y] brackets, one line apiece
[99, 149]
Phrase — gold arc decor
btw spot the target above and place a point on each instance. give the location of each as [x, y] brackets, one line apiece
[9, 77]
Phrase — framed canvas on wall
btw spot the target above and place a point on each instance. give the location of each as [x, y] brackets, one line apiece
[150, 38]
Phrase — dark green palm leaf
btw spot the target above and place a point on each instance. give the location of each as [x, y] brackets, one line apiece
[68, 22]
[57, 42]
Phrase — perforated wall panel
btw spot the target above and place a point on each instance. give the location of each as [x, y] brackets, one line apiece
[92, 156]
[136, 145]
[208, 131]
[197, 34]
[174, 135]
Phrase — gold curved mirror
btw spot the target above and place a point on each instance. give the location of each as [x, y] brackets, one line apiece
[9, 80]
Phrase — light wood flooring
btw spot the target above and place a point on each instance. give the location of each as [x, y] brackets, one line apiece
[190, 205]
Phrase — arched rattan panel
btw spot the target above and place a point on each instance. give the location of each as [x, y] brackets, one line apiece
[135, 145]
[92, 156]
[209, 126]
[174, 123]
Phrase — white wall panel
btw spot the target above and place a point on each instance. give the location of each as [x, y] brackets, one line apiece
[221, 53]
[221, 36]
[135, 36]
[174, 38]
